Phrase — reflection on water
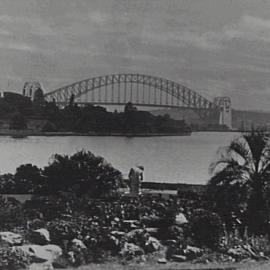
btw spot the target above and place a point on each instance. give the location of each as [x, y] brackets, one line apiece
[166, 159]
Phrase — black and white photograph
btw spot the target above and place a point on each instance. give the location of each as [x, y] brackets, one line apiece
[135, 134]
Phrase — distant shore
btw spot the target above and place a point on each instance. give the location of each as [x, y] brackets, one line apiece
[25, 133]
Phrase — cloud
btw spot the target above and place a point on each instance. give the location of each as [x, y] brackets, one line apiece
[31, 24]
[249, 28]
[206, 41]
[9, 44]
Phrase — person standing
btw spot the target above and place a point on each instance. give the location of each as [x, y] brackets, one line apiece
[135, 178]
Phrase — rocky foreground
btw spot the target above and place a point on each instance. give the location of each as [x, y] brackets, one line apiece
[61, 232]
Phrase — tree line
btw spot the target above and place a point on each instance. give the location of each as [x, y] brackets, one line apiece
[81, 173]
[18, 110]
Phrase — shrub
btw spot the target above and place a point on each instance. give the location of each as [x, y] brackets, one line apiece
[82, 173]
[63, 230]
[206, 228]
[13, 259]
[11, 214]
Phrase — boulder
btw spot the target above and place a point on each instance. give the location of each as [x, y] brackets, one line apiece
[131, 250]
[152, 231]
[78, 244]
[138, 237]
[239, 253]
[179, 258]
[152, 244]
[162, 261]
[40, 237]
[38, 253]
[11, 238]
[192, 252]
[180, 219]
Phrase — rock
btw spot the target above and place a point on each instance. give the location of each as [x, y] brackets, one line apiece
[152, 244]
[131, 250]
[248, 248]
[152, 231]
[162, 261]
[114, 240]
[170, 242]
[118, 234]
[38, 253]
[175, 232]
[179, 258]
[78, 244]
[180, 219]
[11, 238]
[135, 233]
[71, 257]
[192, 252]
[239, 253]
[40, 237]
[130, 224]
[55, 250]
[262, 256]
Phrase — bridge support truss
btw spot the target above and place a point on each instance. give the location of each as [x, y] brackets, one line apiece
[169, 91]
[155, 91]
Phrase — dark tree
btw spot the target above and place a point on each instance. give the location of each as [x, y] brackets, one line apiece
[71, 100]
[241, 179]
[18, 122]
[28, 179]
[82, 173]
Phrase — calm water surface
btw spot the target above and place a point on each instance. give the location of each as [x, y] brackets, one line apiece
[182, 159]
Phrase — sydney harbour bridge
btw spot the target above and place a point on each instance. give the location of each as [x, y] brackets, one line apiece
[141, 90]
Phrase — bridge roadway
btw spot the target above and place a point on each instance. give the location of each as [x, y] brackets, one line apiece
[97, 103]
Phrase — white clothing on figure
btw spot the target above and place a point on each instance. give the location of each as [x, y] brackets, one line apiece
[135, 178]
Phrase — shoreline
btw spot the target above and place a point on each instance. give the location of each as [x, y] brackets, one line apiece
[25, 133]
[153, 188]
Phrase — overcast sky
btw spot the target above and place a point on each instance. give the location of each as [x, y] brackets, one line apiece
[215, 47]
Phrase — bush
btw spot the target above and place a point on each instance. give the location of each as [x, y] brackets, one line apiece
[206, 228]
[11, 214]
[45, 207]
[13, 259]
[63, 230]
[82, 173]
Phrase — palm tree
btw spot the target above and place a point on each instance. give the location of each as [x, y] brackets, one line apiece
[241, 177]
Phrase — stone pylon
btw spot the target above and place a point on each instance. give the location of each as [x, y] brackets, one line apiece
[225, 116]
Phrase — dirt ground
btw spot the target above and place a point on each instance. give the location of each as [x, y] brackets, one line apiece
[177, 266]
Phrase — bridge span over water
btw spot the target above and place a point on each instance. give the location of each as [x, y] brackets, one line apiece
[141, 90]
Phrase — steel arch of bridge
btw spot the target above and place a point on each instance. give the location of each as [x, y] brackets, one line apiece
[188, 97]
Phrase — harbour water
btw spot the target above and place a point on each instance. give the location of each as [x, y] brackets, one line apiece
[183, 159]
